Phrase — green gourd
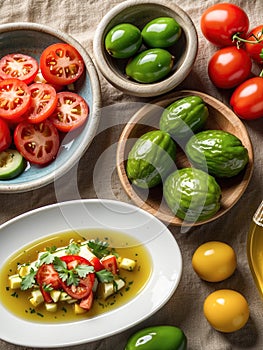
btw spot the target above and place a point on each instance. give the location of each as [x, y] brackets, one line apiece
[151, 159]
[123, 40]
[161, 32]
[218, 152]
[192, 194]
[157, 338]
[150, 65]
[184, 117]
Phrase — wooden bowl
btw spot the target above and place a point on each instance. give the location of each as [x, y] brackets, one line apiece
[139, 12]
[146, 119]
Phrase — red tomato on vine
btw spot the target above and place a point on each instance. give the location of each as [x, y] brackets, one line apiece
[247, 99]
[220, 22]
[254, 44]
[229, 67]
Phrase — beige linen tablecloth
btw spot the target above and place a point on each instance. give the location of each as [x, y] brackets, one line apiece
[97, 177]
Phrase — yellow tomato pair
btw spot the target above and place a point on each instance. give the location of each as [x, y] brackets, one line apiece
[226, 310]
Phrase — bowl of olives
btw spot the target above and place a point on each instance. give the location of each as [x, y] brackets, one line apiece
[145, 48]
[186, 158]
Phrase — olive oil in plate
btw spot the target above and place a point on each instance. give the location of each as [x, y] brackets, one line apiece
[255, 248]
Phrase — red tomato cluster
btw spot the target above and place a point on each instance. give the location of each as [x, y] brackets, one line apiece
[226, 26]
[35, 104]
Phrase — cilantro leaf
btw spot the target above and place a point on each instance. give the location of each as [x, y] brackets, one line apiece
[72, 276]
[46, 258]
[72, 249]
[28, 281]
[104, 276]
[99, 248]
[83, 270]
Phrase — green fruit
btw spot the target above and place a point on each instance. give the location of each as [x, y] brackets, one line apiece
[150, 65]
[157, 338]
[123, 40]
[218, 152]
[184, 117]
[192, 194]
[12, 164]
[150, 159]
[161, 32]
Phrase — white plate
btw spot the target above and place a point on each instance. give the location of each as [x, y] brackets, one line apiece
[81, 214]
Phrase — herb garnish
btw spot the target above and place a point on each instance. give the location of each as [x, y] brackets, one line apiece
[29, 280]
[72, 276]
[72, 249]
[99, 248]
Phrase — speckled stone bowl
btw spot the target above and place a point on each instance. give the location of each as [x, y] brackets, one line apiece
[139, 12]
[32, 39]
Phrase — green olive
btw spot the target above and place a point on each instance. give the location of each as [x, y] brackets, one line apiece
[150, 65]
[161, 32]
[123, 40]
[156, 338]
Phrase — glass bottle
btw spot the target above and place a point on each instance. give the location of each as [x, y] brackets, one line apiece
[255, 248]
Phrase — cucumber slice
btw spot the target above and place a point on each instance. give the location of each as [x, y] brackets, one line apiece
[12, 164]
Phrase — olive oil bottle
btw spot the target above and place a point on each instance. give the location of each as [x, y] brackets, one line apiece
[255, 248]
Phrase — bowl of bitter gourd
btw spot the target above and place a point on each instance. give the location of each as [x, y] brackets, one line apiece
[185, 158]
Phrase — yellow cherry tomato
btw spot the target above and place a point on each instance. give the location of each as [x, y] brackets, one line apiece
[214, 261]
[226, 310]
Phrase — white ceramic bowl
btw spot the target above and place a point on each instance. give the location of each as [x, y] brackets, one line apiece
[108, 215]
[32, 39]
[139, 12]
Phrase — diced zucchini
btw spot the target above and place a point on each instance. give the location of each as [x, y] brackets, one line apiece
[107, 289]
[15, 281]
[51, 307]
[55, 295]
[79, 310]
[37, 298]
[127, 264]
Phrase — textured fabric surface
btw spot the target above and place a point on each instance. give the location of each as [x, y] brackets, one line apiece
[97, 177]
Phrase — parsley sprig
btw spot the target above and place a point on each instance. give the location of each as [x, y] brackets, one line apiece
[99, 248]
[29, 280]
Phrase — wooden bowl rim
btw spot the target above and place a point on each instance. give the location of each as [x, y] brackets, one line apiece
[169, 218]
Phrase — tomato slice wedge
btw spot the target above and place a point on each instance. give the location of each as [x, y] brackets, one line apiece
[15, 98]
[71, 111]
[61, 64]
[47, 275]
[84, 288]
[110, 264]
[20, 66]
[38, 143]
[43, 102]
[86, 303]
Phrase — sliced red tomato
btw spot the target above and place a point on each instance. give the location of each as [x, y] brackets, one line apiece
[5, 135]
[85, 285]
[110, 264]
[20, 66]
[86, 303]
[71, 111]
[38, 143]
[15, 98]
[43, 102]
[47, 275]
[40, 79]
[61, 64]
